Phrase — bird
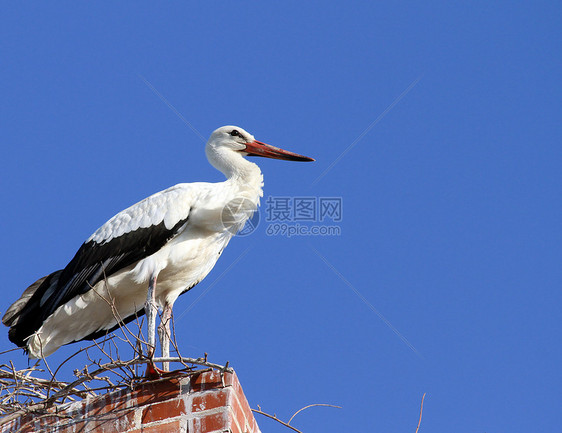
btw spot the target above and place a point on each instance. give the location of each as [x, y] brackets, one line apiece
[144, 257]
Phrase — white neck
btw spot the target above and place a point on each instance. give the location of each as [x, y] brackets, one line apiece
[243, 175]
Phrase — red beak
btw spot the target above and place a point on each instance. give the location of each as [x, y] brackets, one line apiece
[257, 148]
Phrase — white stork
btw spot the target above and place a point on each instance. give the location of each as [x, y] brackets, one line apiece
[174, 237]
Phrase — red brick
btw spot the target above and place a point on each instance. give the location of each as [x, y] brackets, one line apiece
[207, 380]
[237, 413]
[209, 400]
[69, 426]
[112, 422]
[210, 423]
[164, 410]
[26, 428]
[238, 422]
[106, 423]
[241, 404]
[51, 420]
[8, 427]
[235, 429]
[31, 424]
[25, 419]
[169, 427]
[107, 406]
[150, 392]
[229, 378]
[247, 422]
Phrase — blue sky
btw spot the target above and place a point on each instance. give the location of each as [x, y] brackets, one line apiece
[450, 191]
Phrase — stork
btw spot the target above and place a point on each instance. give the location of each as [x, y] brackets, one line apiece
[147, 255]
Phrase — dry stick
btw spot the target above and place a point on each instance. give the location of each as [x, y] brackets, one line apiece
[69, 358]
[116, 315]
[10, 350]
[53, 375]
[196, 361]
[131, 373]
[33, 380]
[126, 377]
[137, 348]
[122, 326]
[274, 417]
[175, 345]
[42, 357]
[288, 423]
[14, 373]
[138, 338]
[421, 411]
[16, 384]
[33, 394]
[311, 405]
[175, 339]
[175, 342]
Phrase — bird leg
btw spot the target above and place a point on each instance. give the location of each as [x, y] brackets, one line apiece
[151, 309]
[164, 333]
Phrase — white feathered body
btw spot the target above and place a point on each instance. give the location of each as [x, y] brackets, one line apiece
[180, 264]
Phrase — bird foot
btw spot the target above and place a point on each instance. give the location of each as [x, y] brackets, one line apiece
[153, 372]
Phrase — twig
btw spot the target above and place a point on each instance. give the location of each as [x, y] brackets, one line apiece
[311, 405]
[116, 315]
[421, 411]
[288, 423]
[41, 351]
[195, 361]
[274, 417]
[70, 357]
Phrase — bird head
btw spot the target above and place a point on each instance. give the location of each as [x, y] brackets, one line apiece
[235, 140]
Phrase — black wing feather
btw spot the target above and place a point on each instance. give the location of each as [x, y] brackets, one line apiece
[92, 263]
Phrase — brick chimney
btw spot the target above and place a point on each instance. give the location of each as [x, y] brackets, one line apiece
[197, 402]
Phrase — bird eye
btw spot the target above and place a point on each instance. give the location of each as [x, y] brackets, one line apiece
[235, 133]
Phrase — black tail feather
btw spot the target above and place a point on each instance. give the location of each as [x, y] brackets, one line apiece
[24, 316]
